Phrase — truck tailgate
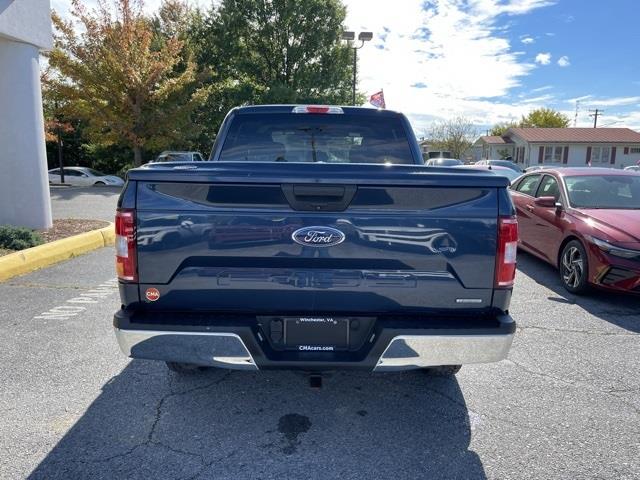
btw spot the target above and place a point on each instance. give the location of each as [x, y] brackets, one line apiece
[233, 237]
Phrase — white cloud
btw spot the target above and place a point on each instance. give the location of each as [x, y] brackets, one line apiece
[543, 58]
[614, 102]
[527, 40]
[564, 61]
[454, 47]
[542, 99]
[542, 89]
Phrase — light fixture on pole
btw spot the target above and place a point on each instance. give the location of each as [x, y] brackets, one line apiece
[350, 38]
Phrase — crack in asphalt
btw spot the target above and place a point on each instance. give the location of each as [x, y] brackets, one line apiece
[586, 332]
[150, 442]
[176, 394]
[580, 384]
[210, 464]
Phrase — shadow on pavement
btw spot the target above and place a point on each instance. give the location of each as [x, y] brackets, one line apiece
[150, 423]
[616, 308]
[68, 193]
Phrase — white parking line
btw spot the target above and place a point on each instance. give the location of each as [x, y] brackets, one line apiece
[74, 306]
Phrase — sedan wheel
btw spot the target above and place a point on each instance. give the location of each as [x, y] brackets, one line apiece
[574, 267]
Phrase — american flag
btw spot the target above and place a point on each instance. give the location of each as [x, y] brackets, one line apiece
[377, 100]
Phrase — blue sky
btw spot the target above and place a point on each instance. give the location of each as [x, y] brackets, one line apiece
[495, 60]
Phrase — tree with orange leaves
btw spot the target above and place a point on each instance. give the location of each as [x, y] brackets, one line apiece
[130, 86]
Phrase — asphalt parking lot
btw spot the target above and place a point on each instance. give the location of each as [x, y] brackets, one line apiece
[564, 405]
[96, 202]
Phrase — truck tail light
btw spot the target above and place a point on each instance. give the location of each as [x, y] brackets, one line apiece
[507, 249]
[316, 109]
[126, 264]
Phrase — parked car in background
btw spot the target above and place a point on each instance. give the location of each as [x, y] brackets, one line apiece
[437, 154]
[633, 168]
[178, 157]
[584, 221]
[533, 168]
[443, 162]
[501, 163]
[83, 176]
[498, 170]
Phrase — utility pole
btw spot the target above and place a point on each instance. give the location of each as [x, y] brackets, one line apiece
[575, 118]
[597, 112]
[350, 37]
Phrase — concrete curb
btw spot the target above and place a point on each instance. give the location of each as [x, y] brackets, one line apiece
[31, 259]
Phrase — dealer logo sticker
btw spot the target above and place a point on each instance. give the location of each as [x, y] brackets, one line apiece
[152, 294]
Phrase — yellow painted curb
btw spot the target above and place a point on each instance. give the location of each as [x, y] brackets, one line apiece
[31, 259]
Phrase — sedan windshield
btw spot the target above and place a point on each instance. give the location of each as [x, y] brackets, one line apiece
[96, 173]
[606, 191]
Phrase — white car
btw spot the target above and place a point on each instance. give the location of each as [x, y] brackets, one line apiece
[83, 177]
[173, 156]
[633, 168]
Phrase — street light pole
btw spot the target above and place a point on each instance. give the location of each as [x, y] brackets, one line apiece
[350, 37]
[355, 75]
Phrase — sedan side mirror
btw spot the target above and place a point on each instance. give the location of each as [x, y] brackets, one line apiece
[545, 202]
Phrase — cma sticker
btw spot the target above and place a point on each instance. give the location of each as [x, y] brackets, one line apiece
[152, 294]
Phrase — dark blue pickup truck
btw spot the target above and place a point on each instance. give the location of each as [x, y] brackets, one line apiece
[315, 239]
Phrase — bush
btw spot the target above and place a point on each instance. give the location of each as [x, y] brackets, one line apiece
[18, 238]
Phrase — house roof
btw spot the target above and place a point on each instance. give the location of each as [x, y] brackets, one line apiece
[576, 135]
[495, 140]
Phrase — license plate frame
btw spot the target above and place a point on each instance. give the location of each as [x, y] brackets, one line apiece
[316, 333]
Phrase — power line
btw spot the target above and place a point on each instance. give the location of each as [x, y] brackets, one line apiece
[597, 112]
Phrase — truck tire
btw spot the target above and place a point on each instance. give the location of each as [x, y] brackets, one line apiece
[443, 370]
[185, 368]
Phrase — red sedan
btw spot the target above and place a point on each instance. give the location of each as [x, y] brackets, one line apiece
[584, 221]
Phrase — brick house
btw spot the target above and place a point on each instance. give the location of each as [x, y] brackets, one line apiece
[611, 147]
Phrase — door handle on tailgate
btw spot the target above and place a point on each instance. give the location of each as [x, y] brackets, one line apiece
[319, 197]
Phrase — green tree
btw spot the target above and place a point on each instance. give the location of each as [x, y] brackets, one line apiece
[131, 85]
[272, 51]
[455, 136]
[499, 129]
[539, 118]
[545, 118]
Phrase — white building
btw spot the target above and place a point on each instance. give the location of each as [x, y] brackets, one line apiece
[25, 29]
[610, 147]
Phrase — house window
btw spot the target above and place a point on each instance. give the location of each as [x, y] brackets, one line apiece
[553, 154]
[600, 155]
[634, 149]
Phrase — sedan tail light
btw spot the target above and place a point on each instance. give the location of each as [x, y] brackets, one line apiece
[507, 249]
[126, 262]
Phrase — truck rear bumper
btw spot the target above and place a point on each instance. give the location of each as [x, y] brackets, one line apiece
[236, 342]
[407, 352]
[214, 349]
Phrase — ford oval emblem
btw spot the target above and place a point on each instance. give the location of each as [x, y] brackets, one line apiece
[318, 236]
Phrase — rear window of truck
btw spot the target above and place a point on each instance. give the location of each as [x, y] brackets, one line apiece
[328, 138]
